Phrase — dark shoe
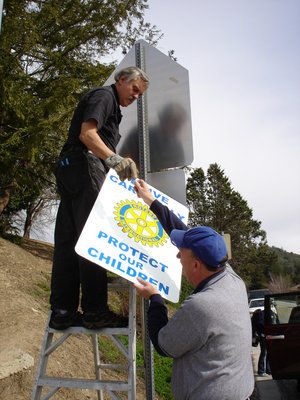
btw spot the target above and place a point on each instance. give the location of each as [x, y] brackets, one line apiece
[63, 319]
[104, 319]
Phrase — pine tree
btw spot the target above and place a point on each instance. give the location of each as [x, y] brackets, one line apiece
[213, 202]
[50, 55]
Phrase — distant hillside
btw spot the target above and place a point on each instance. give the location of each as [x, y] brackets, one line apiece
[287, 258]
[289, 263]
[286, 253]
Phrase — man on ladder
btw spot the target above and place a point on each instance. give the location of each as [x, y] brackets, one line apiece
[85, 159]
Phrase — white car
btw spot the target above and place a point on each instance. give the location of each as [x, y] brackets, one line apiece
[256, 304]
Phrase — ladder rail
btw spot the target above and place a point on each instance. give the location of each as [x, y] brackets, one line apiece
[113, 396]
[119, 344]
[76, 383]
[111, 387]
[132, 345]
[97, 362]
[57, 343]
[50, 393]
[42, 364]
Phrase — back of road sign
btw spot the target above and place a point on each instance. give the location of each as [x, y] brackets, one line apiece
[168, 120]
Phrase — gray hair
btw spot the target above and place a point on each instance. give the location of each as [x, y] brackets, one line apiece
[132, 73]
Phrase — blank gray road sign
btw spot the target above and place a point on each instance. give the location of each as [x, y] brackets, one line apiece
[169, 115]
[168, 119]
[171, 182]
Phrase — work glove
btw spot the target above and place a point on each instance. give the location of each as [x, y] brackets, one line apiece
[124, 167]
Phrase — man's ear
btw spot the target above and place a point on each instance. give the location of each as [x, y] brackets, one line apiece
[122, 79]
[198, 265]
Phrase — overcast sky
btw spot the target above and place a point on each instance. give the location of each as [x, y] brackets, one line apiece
[243, 60]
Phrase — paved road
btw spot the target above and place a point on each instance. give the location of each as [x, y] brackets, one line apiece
[288, 389]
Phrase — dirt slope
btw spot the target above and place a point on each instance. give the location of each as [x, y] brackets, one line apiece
[24, 294]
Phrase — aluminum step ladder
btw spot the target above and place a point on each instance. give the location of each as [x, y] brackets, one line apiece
[110, 387]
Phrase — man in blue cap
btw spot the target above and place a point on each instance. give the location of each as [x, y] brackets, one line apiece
[209, 336]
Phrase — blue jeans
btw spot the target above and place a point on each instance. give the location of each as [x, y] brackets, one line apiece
[263, 363]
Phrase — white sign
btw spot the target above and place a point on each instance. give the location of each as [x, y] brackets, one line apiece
[123, 236]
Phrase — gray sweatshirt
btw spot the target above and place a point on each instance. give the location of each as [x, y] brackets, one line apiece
[209, 338]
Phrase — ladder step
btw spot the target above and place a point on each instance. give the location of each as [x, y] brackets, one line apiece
[119, 366]
[117, 283]
[113, 366]
[91, 384]
[101, 331]
[118, 286]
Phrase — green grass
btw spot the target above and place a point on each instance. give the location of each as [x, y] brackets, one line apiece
[162, 376]
[45, 288]
[110, 352]
[162, 365]
[40, 289]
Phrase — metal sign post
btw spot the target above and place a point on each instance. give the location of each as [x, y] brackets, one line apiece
[143, 136]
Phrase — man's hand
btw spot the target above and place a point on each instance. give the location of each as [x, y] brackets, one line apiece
[142, 190]
[145, 289]
[124, 167]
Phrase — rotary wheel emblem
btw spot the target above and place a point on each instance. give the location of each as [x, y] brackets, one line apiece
[140, 223]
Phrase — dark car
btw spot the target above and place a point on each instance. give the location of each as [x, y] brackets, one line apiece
[257, 294]
[282, 333]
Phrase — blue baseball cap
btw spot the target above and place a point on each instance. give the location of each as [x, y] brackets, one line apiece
[205, 243]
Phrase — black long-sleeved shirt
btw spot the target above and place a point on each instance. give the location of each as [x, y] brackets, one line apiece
[166, 217]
